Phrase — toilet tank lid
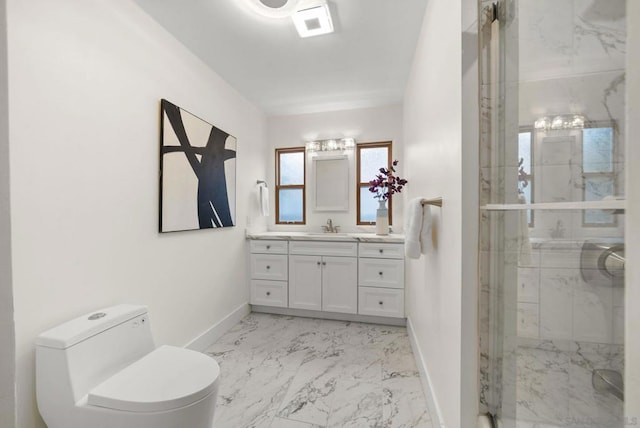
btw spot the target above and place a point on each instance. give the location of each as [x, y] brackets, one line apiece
[81, 328]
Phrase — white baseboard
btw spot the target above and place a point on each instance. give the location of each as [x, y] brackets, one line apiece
[432, 403]
[328, 315]
[212, 334]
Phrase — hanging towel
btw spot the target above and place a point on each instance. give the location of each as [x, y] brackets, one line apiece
[426, 243]
[417, 236]
[524, 244]
[264, 201]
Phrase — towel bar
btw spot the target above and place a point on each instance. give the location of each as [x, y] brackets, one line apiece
[436, 201]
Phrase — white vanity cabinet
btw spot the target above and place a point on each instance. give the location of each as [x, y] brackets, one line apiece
[323, 276]
[269, 273]
[356, 279]
[381, 279]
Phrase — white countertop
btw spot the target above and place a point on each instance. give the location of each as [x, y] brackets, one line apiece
[320, 236]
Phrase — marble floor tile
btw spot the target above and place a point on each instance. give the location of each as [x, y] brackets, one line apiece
[403, 405]
[287, 372]
[356, 404]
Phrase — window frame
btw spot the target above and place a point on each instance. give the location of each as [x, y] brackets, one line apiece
[359, 185]
[302, 186]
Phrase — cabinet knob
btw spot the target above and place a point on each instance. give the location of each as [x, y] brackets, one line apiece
[268, 267]
[380, 273]
[318, 263]
[380, 302]
[268, 293]
[381, 250]
[268, 247]
[324, 263]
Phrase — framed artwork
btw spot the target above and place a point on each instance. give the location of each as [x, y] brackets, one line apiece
[197, 172]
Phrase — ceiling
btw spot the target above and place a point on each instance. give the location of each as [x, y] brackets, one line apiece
[364, 63]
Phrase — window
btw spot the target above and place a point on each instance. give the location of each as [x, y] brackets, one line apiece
[290, 186]
[370, 157]
[598, 173]
[525, 169]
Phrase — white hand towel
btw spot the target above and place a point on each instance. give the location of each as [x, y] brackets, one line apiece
[426, 243]
[264, 201]
[412, 229]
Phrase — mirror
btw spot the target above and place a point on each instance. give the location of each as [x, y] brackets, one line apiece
[331, 183]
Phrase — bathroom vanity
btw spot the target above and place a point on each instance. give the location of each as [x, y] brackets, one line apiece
[358, 277]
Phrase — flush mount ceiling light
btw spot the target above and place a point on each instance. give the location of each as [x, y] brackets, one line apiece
[274, 8]
[312, 18]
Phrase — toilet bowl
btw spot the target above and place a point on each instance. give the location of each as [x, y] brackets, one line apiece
[104, 370]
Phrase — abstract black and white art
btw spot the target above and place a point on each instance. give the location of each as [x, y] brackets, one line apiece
[197, 172]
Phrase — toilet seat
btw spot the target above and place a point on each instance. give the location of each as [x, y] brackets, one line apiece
[167, 378]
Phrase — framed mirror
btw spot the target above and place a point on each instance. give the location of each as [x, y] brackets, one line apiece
[331, 183]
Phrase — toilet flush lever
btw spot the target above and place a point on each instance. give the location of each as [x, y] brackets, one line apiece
[96, 316]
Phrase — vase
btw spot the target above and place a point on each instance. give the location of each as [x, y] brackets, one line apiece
[382, 219]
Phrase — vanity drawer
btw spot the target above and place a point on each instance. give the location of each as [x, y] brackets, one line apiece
[269, 293]
[268, 246]
[388, 273]
[385, 302]
[269, 266]
[381, 250]
[323, 248]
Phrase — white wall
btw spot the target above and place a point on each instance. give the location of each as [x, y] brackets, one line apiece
[632, 238]
[7, 346]
[433, 150]
[86, 77]
[366, 126]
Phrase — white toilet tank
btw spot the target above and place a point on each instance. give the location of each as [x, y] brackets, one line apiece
[79, 354]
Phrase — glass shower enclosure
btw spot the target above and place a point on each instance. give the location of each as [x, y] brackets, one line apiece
[552, 212]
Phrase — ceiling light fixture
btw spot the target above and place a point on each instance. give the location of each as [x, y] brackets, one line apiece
[312, 18]
[274, 8]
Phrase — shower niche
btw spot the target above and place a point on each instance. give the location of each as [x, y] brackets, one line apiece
[552, 212]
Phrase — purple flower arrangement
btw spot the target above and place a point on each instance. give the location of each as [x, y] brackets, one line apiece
[387, 183]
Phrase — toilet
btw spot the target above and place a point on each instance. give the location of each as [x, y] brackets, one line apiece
[103, 370]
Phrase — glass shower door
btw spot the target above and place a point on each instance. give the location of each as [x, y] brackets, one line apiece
[552, 248]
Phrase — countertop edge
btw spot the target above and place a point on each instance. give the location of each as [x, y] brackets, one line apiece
[347, 237]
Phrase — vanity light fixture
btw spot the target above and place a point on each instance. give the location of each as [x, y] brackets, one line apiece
[330, 145]
[312, 18]
[567, 121]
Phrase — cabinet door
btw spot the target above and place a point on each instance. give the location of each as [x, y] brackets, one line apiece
[305, 282]
[340, 284]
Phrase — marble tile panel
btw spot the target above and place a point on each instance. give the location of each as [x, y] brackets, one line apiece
[404, 404]
[556, 305]
[542, 385]
[592, 313]
[251, 401]
[599, 35]
[288, 423]
[528, 320]
[311, 392]
[528, 285]
[546, 37]
[356, 404]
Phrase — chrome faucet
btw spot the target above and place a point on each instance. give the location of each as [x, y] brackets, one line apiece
[330, 228]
